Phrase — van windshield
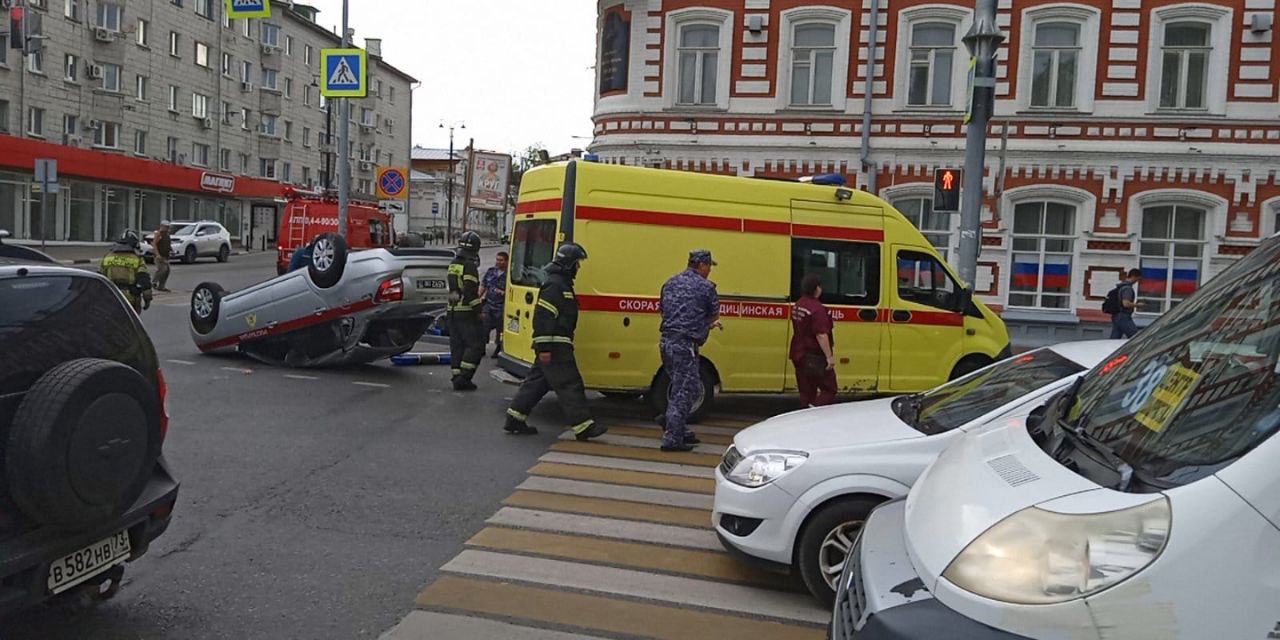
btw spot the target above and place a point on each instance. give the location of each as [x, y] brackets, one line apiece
[1197, 389]
[957, 403]
[533, 246]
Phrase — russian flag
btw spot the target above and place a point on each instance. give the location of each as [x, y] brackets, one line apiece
[1185, 281]
[1026, 275]
[1155, 279]
[1057, 272]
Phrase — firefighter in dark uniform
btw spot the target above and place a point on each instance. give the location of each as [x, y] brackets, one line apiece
[555, 369]
[466, 327]
[126, 269]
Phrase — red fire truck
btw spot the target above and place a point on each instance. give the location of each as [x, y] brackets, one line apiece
[308, 215]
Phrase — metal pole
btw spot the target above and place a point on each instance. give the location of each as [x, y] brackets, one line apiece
[869, 92]
[44, 216]
[328, 141]
[453, 169]
[982, 40]
[344, 132]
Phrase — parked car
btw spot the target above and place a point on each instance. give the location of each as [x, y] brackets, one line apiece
[191, 241]
[343, 308]
[20, 252]
[793, 491]
[85, 487]
[1142, 503]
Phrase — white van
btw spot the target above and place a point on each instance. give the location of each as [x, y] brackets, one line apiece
[1142, 503]
[793, 491]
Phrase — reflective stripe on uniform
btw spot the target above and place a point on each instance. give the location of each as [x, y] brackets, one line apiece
[456, 370]
[471, 278]
[464, 306]
[455, 269]
[467, 365]
[517, 415]
[568, 295]
[549, 307]
[582, 426]
[555, 339]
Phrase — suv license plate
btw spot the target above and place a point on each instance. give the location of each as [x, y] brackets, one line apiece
[71, 570]
[430, 283]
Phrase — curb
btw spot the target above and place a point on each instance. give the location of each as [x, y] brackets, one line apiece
[81, 261]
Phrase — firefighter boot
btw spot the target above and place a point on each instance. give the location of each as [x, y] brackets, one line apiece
[516, 426]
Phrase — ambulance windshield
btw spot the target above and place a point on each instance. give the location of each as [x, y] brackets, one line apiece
[532, 247]
[1197, 389]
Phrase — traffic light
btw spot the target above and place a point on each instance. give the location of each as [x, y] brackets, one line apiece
[946, 190]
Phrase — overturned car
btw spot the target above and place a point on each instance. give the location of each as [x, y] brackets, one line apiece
[344, 308]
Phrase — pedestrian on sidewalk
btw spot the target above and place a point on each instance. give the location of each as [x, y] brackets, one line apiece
[493, 288]
[126, 269]
[555, 317]
[466, 327]
[812, 345]
[162, 243]
[690, 308]
[1125, 302]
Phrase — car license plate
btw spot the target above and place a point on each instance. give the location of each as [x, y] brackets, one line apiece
[75, 568]
[430, 283]
[513, 325]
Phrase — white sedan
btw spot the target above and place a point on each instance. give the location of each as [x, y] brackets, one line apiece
[793, 492]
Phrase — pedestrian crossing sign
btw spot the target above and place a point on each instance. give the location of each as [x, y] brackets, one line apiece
[345, 73]
[248, 8]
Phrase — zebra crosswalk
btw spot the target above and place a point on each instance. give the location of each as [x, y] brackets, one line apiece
[611, 538]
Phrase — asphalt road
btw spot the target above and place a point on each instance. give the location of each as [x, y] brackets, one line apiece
[314, 504]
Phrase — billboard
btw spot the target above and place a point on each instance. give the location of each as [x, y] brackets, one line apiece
[490, 174]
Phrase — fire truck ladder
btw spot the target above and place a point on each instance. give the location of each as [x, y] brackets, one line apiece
[298, 228]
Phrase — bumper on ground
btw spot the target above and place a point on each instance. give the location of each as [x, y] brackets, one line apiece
[754, 523]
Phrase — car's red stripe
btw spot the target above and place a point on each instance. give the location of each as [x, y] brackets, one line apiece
[291, 325]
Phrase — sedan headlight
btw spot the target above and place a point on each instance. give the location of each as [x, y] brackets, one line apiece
[759, 469]
[1040, 557]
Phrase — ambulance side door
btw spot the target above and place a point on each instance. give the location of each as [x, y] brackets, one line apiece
[850, 274]
[926, 327]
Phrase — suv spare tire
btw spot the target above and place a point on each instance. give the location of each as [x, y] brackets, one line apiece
[328, 260]
[206, 299]
[83, 443]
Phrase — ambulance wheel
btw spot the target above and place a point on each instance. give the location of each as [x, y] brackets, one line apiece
[968, 365]
[701, 405]
[206, 299]
[328, 260]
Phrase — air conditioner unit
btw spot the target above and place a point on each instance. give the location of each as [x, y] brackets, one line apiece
[95, 71]
[207, 123]
[364, 166]
[246, 87]
[71, 140]
[103, 35]
[92, 125]
[269, 50]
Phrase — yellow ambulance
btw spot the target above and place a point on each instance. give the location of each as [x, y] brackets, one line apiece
[903, 321]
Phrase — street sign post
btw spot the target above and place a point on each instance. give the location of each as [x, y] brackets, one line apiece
[392, 183]
[238, 9]
[345, 73]
[946, 190]
[391, 207]
[46, 176]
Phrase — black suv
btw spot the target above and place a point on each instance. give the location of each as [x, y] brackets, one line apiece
[83, 485]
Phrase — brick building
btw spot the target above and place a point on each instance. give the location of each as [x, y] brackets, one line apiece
[1127, 132]
[168, 109]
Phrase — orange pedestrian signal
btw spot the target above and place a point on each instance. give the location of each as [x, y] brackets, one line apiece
[946, 190]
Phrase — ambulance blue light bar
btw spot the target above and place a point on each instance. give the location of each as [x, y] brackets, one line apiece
[829, 179]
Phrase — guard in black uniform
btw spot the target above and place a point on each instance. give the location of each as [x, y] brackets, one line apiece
[466, 327]
[555, 369]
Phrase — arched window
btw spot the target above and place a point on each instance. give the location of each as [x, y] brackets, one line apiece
[936, 227]
[1184, 60]
[813, 48]
[933, 46]
[1041, 273]
[1055, 64]
[698, 54]
[1171, 254]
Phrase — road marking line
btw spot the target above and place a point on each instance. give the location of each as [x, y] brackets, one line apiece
[238, 370]
[666, 468]
[656, 433]
[431, 625]
[645, 443]
[182, 362]
[617, 492]
[612, 615]
[636, 453]
[375, 385]
[733, 598]
[296, 376]
[517, 518]
[650, 426]
[617, 476]
[610, 508]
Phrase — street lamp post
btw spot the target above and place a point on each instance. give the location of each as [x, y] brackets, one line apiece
[453, 171]
[982, 40]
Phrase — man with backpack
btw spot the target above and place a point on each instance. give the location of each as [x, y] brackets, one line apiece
[1120, 303]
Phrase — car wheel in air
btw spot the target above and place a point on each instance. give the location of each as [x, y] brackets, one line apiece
[701, 405]
[206, 300]
[83, 443]
[825, 542]
[189, 256]
[224, 252]
[328, 260]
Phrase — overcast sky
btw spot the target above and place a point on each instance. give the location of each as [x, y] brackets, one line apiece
[517, 72]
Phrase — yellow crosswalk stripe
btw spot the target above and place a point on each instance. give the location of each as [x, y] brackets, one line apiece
[617, 616]
[619, 476]
[610, 508]
[655, 433]
[638, 453]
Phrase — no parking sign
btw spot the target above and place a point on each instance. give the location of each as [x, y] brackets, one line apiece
[392, 183]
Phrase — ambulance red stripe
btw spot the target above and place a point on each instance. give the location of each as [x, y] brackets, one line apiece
[538, 206]
[772, 310]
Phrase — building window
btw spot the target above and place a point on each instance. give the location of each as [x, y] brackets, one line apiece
[267, 168]
[268, 124]
[199, 105]
[107, 135]
[143, 34]
[226, 20]
[35, 62]
[306, 95]
[246, 71]
[306, 137]
[1172, 255]
[270, 79]
[202, 54]
[698, 56]
[111, 77]
[71, 9]
[1043, 249]
[288, 130]
[288, 45]
[377, 87]
[366, 117]
[199, 154]
[225, 114]
[35, 122]
[173, 98]
[204, 8]
[227, 64]
[176, 3]
[932, 51]
[1055, 60]
[306, 176]
[171, 149]
[244, 119]
[4, 116]
[70, 124]
[288, 87]
[306, 54]
[175, 41]
[244, 163]
[391, 95]
[936, 227]
[140, 142]
[1184, 67]
[286, 172]
[813, 48]
[140, 88]
[4, 50]
[246, 28]
[224, 160]
[270, 34]
[108, 16]
[71, 68]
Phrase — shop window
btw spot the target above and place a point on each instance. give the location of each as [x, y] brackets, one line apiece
[923, 280]
[1171, 255]
[1055, 63]
[813, 49]
[115, 210]
[83, 211]
[1044, 238]
[932, 53]
[936, 227]
[850, 271]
